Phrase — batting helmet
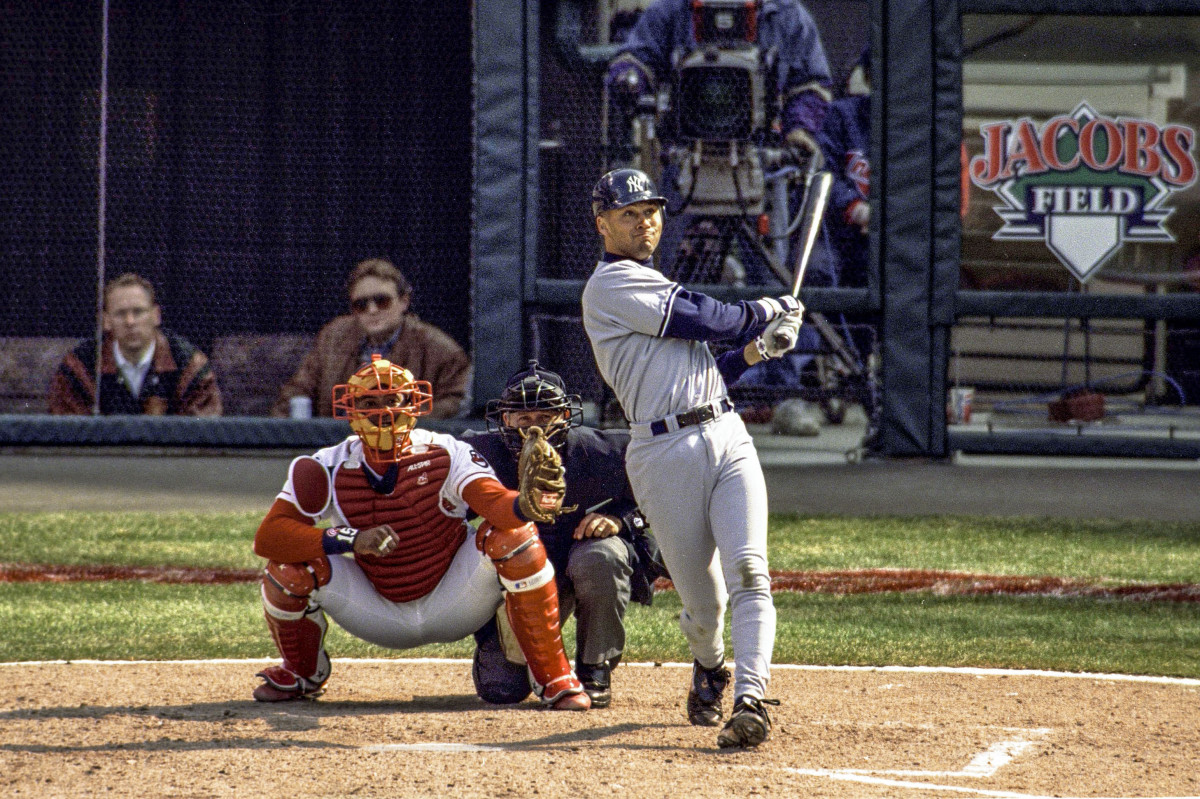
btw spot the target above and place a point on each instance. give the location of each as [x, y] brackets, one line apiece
[382, 400]
[534, 389]
[622, 187]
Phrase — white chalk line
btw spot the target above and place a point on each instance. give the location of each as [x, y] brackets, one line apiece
[929, 786]
[964, 670]
[433, 747]
[985, 764]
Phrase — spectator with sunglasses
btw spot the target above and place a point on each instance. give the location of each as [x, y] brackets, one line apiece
[380, 323]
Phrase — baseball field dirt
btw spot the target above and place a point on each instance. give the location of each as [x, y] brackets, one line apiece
[415, 729]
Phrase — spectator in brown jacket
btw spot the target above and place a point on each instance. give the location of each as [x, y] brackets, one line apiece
[143, 368]
[380, 322]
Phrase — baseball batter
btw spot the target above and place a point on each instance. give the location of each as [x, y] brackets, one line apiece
[400, 567]
[691, 463]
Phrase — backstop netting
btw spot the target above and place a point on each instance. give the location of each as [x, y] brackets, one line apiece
[255, 151]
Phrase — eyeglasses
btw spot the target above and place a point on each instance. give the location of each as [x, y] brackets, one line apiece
[382, 302]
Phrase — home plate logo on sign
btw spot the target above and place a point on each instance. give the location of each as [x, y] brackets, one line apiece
[1084, 183]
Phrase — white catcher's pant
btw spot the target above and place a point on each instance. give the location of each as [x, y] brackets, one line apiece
[465, 599]
[703, 493]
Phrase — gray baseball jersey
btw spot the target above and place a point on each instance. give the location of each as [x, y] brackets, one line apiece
[625, 308]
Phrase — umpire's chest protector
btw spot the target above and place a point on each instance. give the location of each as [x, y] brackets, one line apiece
[429, 536]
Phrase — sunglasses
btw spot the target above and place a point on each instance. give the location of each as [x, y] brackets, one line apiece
[382, 302]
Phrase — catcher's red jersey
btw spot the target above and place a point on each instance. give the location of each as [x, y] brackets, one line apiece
[421, 497]
[428, 537]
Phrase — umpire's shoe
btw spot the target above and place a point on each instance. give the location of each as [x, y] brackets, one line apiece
[597, 682]
[708, 688]
[749, 725]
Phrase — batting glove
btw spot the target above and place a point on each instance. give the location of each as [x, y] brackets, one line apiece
[780, 336]
[773, 308]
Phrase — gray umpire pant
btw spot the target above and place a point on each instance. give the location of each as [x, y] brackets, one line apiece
[596, 588]
[703, 493]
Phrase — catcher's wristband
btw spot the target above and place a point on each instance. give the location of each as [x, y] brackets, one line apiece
[339, 540]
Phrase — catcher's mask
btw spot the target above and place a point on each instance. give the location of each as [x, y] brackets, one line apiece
[381, 401]
[534, 389]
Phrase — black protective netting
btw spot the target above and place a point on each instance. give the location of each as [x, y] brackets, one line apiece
[713, 234]
[256, 150]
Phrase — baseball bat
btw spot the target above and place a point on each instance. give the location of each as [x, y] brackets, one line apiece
[816, 197]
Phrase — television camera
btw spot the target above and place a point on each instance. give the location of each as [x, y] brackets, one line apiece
[711, 134]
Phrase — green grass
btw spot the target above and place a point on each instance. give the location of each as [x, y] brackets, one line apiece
[147, 621]
[220, 540]
[135, 620]
[1114, 550]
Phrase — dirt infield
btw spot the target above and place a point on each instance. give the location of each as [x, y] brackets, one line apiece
[415, 729]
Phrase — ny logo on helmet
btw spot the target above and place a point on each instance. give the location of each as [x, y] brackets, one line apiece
[636, 183]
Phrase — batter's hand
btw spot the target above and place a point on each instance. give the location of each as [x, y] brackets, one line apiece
[597, 525]
[781, 335]
[379, 541]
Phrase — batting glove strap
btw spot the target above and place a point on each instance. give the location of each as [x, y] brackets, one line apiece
[339, 540]
[771, 308]
[761, 346]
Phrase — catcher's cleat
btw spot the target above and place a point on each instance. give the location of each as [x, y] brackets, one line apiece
[597, 682]
[749, 725]
[704, 700]
[579, 701]
[281, 685]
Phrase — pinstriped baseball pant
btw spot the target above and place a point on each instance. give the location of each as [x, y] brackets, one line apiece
[704, 496]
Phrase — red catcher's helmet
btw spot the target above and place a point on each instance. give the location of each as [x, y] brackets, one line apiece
[381, 401]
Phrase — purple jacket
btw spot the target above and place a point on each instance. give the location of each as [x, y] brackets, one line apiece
[801, 74]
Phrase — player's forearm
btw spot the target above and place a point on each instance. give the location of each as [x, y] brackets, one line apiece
[733, 364]
[287, 536]
[495, 503]
[695, 316]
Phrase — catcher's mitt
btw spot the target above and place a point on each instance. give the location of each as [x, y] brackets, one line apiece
[540, 472]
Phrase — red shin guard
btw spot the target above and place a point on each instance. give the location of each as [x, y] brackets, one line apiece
[531, 602]
[297, 629]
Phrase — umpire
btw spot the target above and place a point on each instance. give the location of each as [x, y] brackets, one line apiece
[601, 551]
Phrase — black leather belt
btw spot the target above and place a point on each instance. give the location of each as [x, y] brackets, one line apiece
[697, 415]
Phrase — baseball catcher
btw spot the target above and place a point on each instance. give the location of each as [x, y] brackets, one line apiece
[602, 554]
[399, 566]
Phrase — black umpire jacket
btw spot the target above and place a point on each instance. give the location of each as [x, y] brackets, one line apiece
[596, 481]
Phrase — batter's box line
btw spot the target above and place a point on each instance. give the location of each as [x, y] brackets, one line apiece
[865, 779]
[965, 670]
[983, 765]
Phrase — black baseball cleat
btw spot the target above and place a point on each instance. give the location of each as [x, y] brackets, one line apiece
[708, 688]
[749, 725]
[597, 682]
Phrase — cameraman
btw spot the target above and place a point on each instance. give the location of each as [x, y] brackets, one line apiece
[801, 73]
[798, 80]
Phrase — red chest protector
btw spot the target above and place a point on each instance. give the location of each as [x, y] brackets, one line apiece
[429, 538]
